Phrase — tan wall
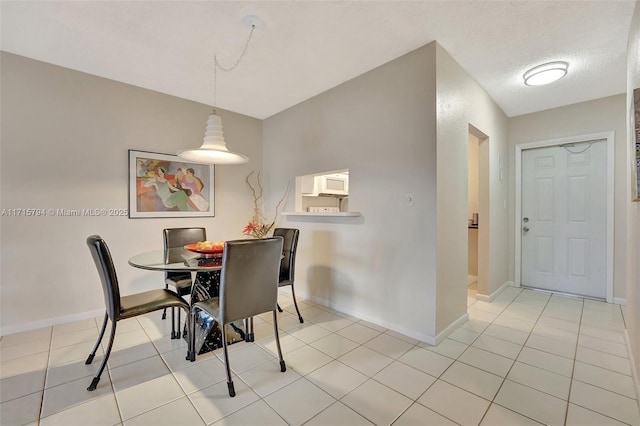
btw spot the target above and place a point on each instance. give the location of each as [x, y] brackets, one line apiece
[463, 103]
[595, 116]
[474, 189]
[65, 137]
[633, 208]
[381, 126]
[474, 176]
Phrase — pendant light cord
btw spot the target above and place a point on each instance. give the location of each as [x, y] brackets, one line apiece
[218, 65]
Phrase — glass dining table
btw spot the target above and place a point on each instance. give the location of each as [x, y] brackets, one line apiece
[206, 284]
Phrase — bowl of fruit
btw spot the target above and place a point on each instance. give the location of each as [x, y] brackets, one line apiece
[206, 247]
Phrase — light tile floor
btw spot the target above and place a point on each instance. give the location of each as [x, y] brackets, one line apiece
[527, 358]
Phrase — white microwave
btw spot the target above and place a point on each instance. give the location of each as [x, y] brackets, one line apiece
[337, 184]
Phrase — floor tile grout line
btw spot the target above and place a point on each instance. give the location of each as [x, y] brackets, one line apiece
[541, 350]
[238, 375]
[573, 371]
[44, 380]
[516, 358]
[573, 366]
[296, 380]
[455, 359]
[369, 377]
[159, 355]
[113, 388]
[574, 360]
[604, 389]
[598, 413]
[524, 344]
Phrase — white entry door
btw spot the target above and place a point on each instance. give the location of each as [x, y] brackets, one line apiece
[563, 223]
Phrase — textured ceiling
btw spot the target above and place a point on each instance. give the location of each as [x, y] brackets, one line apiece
[305, 48]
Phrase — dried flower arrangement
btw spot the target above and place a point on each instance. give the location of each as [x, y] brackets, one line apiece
[258, 226]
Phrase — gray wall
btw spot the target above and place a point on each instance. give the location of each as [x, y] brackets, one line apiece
[65, 137]
[381, 126]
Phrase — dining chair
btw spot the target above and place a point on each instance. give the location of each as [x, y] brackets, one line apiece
[288, 262]
[248, 287]
[181, 281]
[122, 307]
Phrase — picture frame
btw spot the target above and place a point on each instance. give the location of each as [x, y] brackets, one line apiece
[163, 185]
[635, 146]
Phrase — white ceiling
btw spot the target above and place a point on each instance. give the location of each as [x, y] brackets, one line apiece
[305, 48]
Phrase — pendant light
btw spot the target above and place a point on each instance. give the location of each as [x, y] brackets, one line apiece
[214, 149]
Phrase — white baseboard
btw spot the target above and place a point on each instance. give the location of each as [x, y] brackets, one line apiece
[374, 320]
[634, 367]
[619, 301]
[492, 296]
[450, 329]
[34, 325]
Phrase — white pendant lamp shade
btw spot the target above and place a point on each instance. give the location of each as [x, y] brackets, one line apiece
[545, 73]
[213, 149]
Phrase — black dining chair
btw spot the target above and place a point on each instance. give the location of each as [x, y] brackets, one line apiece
[181, 281]
[288, 262]
[122, 307]
[248, 287]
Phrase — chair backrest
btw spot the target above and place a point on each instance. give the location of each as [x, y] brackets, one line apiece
[249, 278]
[107, 272]
[178, 237]
[288, 262]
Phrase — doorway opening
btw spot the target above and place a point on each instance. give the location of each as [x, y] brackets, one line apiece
[564, 215]
[478, 216]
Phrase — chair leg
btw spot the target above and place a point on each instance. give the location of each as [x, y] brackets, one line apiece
[191, 339]
[173, 324]
[279, 308]
[232, 391]
[283, 367]
[164, 311]
[293, 293]
[178, 330]
[95, 348]
[249, 336]
[94, 382]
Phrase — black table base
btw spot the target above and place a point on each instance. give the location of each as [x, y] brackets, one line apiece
[208, 335]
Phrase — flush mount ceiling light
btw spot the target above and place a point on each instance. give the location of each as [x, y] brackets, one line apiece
[545, 73]
[214, 149]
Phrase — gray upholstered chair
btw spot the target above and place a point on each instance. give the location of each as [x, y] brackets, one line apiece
[122, 307]
[248, 287]
[181, 281]
[288, 262]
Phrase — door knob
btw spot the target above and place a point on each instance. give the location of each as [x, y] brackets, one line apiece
[525, 229]
[525, 219]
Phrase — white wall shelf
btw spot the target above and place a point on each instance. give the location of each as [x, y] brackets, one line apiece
[323, 214]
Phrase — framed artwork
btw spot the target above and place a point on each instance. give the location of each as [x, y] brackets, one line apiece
[162, 185]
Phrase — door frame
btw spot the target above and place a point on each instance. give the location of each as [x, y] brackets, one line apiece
[609, 137]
